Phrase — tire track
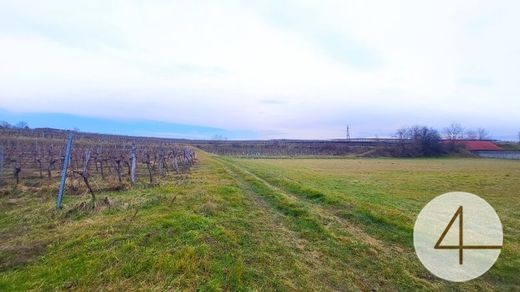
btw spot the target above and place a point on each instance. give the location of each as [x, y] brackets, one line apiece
[345, 242]
[319, 266]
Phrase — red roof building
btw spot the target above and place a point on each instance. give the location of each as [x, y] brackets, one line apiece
[477, 145]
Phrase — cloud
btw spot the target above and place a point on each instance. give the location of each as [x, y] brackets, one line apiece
[476, 81]
[226, 64]
[272, 101]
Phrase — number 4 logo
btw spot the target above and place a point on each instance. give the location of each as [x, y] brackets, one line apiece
[461, 247]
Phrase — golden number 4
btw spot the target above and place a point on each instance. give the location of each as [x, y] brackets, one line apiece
[460, 246]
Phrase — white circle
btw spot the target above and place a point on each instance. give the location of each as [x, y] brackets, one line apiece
[481, 236]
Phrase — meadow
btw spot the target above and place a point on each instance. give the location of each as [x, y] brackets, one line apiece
[254, 224]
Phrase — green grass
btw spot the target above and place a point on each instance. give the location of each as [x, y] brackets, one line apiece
[262, 224]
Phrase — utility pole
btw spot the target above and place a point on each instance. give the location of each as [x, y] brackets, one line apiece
[348, 132]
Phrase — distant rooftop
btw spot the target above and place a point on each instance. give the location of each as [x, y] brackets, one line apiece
[478, 145]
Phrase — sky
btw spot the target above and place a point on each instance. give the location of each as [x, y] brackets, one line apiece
[261, 69]
[129, 127]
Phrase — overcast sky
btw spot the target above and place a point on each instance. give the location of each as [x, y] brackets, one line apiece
[280, 69]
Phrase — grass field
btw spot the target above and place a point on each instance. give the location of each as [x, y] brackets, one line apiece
[272, 224]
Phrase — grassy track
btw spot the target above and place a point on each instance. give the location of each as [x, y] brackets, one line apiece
[237, 224]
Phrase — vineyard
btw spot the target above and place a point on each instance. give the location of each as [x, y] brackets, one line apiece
[96, 162]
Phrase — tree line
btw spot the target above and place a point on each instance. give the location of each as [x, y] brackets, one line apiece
[418, 141]
[19, 125]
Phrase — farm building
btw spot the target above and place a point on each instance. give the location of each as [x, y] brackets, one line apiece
[479, 145]
[487, 149]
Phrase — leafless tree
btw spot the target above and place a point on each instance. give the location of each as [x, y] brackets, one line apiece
[482, 134]
[454, 132]
[470, 134]
[401, 134]
[5, 125]
[22, 125]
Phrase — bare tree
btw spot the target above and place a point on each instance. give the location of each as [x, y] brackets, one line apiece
[401, 134]
[421, 141]
[482, 134]
[470, 134]
[454, 132]
[22, 125]
[5, 125]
